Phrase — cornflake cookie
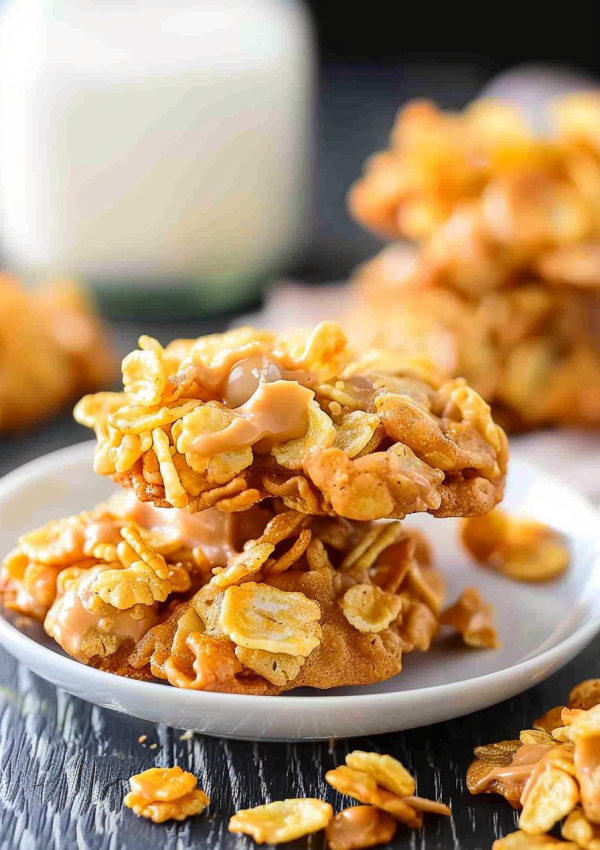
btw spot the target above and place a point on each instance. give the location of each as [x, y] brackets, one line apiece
[530, 349]
[53, 348]
[228, 420]
[259, 601]
[503, 285]
[552, 773]
[523, 549]
[486, 197]
[165, 793]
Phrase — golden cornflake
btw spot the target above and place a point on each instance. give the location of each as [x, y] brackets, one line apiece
[355, 431]
[144, 379]
[162, 794]
[522, 549]
[585, 695]
[473, 618]
[386, 770]
[283, 820]
[319, 435]
[175, 492]
[370, 609]
[363, 787]
[277, 668]
[553, 795]
[550, 720]
[577, 828]
[134, 585]
[258, 616]
[243, 565]
[523, 841]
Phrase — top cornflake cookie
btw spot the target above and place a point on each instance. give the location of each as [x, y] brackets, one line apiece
[227, 420]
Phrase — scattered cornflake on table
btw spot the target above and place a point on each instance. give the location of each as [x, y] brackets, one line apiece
[552, 773]
[165, 793]
[282, 820]
[382, 781]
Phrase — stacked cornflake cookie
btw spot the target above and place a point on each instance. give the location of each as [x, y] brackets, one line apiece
[502, 283]
[258, 546]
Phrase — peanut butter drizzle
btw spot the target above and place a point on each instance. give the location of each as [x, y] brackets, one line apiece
[238, 370]
[514, 776]
[246, 376]
[220, 535]
[276, 412]
[69, 622]
[102, 531]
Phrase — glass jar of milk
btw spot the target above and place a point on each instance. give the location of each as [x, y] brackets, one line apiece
[158, 148]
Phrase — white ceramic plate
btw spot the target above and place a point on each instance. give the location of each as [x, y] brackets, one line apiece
[541, 626]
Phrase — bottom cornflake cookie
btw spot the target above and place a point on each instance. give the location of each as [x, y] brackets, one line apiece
[257, 602]
[360, 827]
[165, 793]
[283, 820]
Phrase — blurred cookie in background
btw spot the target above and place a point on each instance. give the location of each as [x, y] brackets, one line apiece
[53, 346]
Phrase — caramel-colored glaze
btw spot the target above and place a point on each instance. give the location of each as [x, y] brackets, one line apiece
[36, 593]
[220, 535]
[68, 622]
[360, 827]
[247, 375]
[214, 376]
[514, 776]
[276, 412]
[102, 531]
[233, 371]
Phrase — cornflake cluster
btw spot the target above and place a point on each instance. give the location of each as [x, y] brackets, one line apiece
[228, 420]
[378, 781]
[53, 348]
[165, 793]
[552, 773]
[253, 549]
[502, 287]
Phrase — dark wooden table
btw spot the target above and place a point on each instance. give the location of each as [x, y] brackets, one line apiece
[64, 764]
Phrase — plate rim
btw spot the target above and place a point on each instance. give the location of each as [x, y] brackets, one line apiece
[530, 668]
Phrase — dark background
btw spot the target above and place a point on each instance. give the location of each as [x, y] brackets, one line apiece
[493, 37]
[376, 56]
